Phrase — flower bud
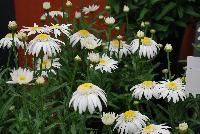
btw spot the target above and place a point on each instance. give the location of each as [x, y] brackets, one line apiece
[12, 25]
[126, 9]
[109, 20]
[22, 36]
[168, 48]
[40, 80]
[107, 7]
[77, 58]
[100, 17]
[146, 23]
[136, 102]
[119, 37]
[117, 28]
[152, 31]
[46, 5]
[165, 71]
[183, 127]
[142, 24]
[42, 18]
[69, 3]
[140, 34]
[77, 15]
[160, 45]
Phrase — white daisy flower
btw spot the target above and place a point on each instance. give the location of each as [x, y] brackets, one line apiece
[130, 122]
[6, 42]
[58, 29]
[155, 129]
[88, 96]
[43, 42]
[106, 64]
[34, 30]
[81, 35]
[53, 14]
[172, 90]
[108, 118]
[21, 76]
[90, 43]
[198, 38]
[148, 47]
[146, 89]
[120, 47]
[90, 9]
[48, 65]
[93, 57]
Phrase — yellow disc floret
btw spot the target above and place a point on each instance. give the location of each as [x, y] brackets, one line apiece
[42, 37]
[129, 115]
[150, 128]
[86, 86]
[172, 85]
[146, 41]
[83, 33]
[148, 84]
[117, 43]
[102, 62]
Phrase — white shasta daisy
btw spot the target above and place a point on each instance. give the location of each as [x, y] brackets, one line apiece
[146, 89]
[48, 65]
[130, 122]
[106, 64]
[147, 47]
[53, 14]
[172, 90]
[90, 9]
[93, 57]
[6, 42]
[119, 46]
[90, 43]
[21, 76]
[108, 118]
[88, 96]
[57, 29]
[34, 30]
[81, 35]
[155, 129]
[44, 43]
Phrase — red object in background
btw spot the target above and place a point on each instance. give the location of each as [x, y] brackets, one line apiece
[29, 12]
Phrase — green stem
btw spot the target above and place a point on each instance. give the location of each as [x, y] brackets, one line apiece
[9, 56]
[168, 65]
[119, 50]
[110, 130]
[14, 50]
[127, 24]
[48, 17]
[108, 40]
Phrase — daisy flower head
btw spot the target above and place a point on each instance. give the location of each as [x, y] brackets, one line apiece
[48, 65]
[147, 47]
[106, 64]
[90, 43]
[93, 57]
[146, 89]
[6, 42]
[44, 43]
[34, 30]
[88, 96]
[81, 35]
[119, 47]
[130, 122]
[155, 129]
[90, 9]
[53, 14]
[108, 118]
[57, 29]
[21, 76]
[109, 20]
[172, 90]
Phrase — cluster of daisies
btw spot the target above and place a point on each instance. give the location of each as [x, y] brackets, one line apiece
[172, 90]
[89, 97]
[44, 47]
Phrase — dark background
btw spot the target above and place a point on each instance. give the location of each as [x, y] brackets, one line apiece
[7, 13]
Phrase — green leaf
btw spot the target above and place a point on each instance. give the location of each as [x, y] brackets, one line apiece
[143, 13]
[166, 10]
[4, 109]
[180, 11]
[191, 12]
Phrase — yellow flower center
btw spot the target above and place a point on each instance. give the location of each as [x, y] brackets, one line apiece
[102, 62]
[56, 26]
[149, 128]
[146, 41]
[46, 63]
[148, 83]
[83, 33]
[86, 86]
[42, 37]
[35, 27]
[128, 115]
[117, 43]
[172, 85]
[22, 77]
